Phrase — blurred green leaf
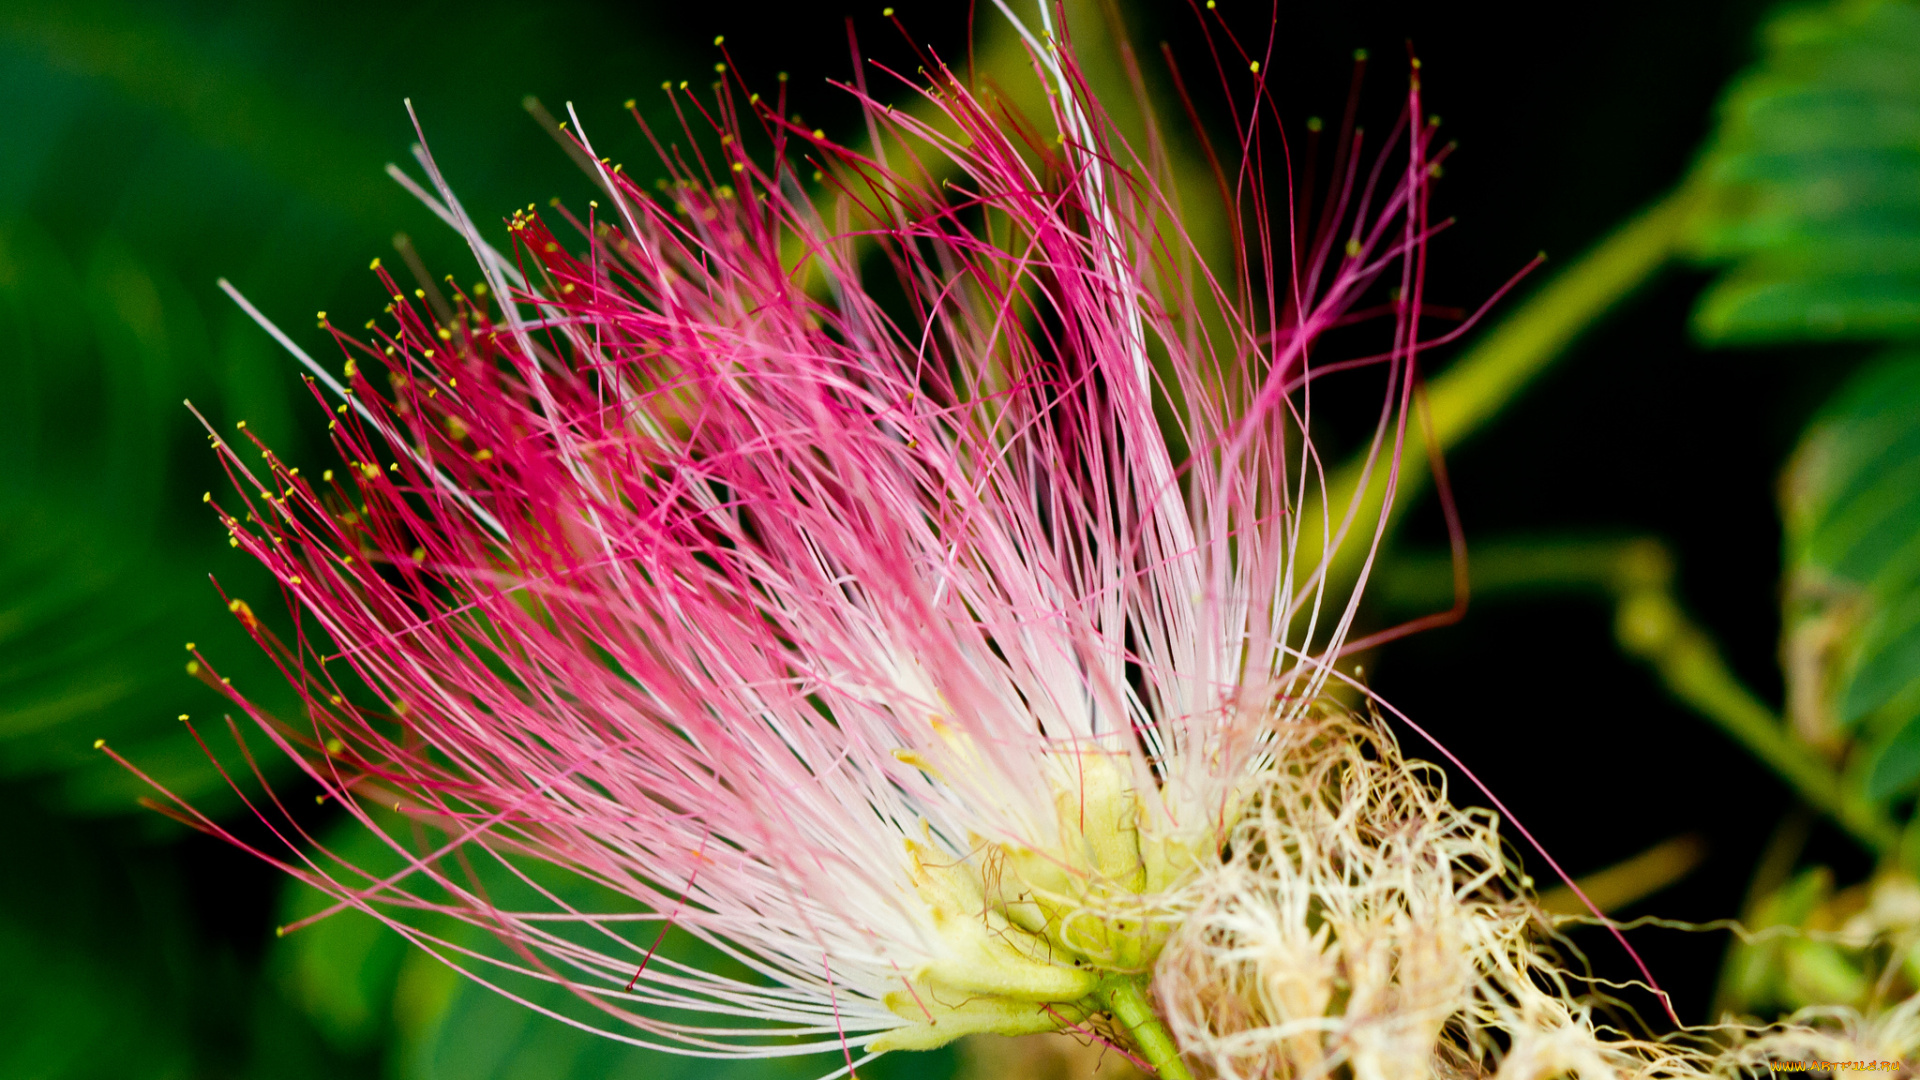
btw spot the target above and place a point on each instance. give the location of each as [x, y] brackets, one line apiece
[107, 976]
[77, 1000]
[96, 598]
[1810, 186]
[155, 147]
[1851, 502]
[1776, 970]
[364, 985]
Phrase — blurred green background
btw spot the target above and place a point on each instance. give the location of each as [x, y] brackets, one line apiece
[147, 149]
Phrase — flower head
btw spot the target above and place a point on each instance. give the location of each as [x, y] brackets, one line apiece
[915, 646]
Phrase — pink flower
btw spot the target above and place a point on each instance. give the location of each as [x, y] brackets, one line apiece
[914, 647]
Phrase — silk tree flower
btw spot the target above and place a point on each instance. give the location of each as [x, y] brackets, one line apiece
[950, 658]
[920, 649]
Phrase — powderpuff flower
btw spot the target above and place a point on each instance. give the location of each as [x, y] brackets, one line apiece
[913, 647]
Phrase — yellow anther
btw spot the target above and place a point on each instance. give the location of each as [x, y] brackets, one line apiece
[242, 424]
[321, 315]
[886, 13]
[683, 84]
[719, 67]
[375, 264]
[630, 103]
[444, 334]
[782, 76]
[98, 743]
[910, 757]
[327, 475]
[418, 554]
[352, 369]
[193, 667]
[334, 746]
[420, 294]
[1254, 67]
[483, 455]
[206, 496]
[183, 716]
[295, 580]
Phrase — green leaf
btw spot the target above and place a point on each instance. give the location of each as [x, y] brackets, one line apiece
[106, 976]
[168, 144]
[1810, 185]
[364, 985]
[1762, 972]
[97, 591]
[1851, 501]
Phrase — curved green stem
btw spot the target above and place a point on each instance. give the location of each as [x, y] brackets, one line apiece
[1501, 363]
[1125, 997]
[1650, 624]
[1471, 390]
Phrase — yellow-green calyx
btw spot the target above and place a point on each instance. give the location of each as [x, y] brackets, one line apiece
[1038, 936]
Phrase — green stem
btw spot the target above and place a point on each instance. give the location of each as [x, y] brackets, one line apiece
[1475, 387]
[1125, 997]
[1502, 362]
[1650, 624]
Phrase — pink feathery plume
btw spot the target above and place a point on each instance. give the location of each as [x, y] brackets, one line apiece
[904, 649]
